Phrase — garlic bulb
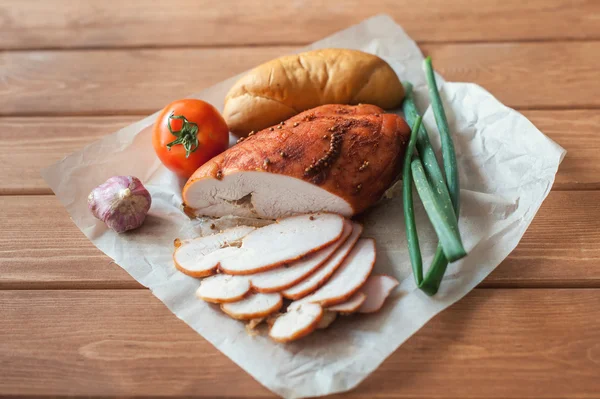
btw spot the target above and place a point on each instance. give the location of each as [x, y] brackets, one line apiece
[121, 202]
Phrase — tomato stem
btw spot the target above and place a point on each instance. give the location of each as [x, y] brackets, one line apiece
[186, 136]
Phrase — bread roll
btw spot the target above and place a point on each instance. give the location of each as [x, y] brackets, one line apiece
[286, 86]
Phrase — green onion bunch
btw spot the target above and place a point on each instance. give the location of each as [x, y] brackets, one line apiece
[440, 195]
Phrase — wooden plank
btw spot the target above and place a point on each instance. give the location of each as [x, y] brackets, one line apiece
[522, 75]
[499, 344]
[30, 144]
[577, 132]
[37, 238]
[55, 137]
[116, 81]
[112, 23]
[125, 343]
[559, 249]
[525, 75]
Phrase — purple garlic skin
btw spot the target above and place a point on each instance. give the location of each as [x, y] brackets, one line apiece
[121, 202]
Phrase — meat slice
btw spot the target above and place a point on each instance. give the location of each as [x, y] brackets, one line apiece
[271, 281]
[327, 319]
[254, 306]
[223, 288]
[333, 158]
[283, 242]
[377, 288]
[348, 279]
[278, 279]
[318, 278]
[351, 305]
[191, 257]
[296, 323]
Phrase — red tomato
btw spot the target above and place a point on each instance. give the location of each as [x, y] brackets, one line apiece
[197, 133]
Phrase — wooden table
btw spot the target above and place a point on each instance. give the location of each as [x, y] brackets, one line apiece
[74, 323]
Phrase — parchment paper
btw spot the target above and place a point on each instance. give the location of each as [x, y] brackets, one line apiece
[506, 165]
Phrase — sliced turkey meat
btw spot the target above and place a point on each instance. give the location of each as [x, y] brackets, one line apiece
[251, 326]
[274, 280]
[351, 305]
[318, 278]
[333, 158]
[193, 258]
[283, 242]
[377, 288]
[278, 279]
[327, 319]
[223, 288]
[296, 323]
[348, 278]
[253, 306]
[253, 323]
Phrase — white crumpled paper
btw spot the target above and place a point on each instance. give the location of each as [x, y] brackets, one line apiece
[506, 165]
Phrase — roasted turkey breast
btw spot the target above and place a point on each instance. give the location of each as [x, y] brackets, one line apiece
[334, 158]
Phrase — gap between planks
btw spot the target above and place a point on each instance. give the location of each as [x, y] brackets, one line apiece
[9, 192]
[279, 44]
[135, 286]
[147, 112]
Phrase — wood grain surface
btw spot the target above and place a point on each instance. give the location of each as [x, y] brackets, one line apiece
[559, 249]
[575, 130]
[101, 342]
[111, 23]
[549, 75]
[33, 143]
[75, 324]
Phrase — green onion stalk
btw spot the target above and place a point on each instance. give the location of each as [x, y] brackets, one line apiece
[414, 250]
[443, 193]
